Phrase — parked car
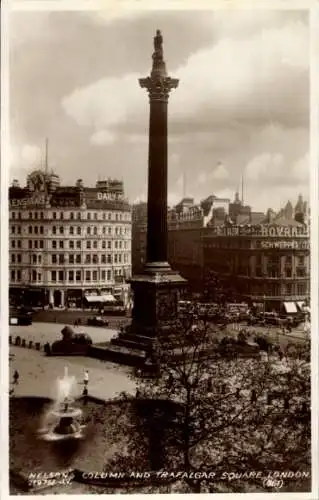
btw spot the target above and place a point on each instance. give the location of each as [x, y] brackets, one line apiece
[98, 321]
[19, 317]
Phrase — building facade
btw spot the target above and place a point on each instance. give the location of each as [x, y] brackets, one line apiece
[266, 264]
[68, 242]
[257, 257]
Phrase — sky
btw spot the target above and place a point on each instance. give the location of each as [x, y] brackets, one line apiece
[241, 107]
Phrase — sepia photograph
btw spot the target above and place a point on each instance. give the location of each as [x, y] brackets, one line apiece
[159, 272]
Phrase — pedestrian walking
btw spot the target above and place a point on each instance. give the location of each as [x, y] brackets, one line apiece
[16, 377]
[86, 378]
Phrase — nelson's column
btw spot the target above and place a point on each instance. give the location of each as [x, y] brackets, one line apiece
[157, 289]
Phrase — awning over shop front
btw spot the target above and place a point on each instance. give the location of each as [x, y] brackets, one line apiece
[300, 305]
[290, 307]
[108, 298]
[100, 298]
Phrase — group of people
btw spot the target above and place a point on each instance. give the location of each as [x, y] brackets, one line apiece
[86, 378]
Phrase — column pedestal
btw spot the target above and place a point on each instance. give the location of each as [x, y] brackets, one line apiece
[156, 295]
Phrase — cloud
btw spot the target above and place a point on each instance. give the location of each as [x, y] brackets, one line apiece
[271, 169]
[102, 137]
[246, 79]
[220, 172]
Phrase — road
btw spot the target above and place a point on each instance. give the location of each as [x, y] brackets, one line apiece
[39, 373]
[49, 332]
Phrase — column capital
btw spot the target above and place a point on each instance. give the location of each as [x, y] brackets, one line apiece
[158, 87]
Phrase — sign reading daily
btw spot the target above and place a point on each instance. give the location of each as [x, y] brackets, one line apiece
[109, 195]
[267, 231]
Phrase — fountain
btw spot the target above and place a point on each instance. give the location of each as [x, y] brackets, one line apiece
[63, 420]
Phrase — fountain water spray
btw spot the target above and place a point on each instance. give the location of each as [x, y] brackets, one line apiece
[63, 419]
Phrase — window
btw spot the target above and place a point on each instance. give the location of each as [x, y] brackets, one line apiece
[34, 259]
[19, 229]
[94, 244]
[115, 258]
[95, 230]
[103, 259]
[88, 230]
[54, 258]
[301, 289]
[53, 275]
[78, 230]
[30, 215]
[78, 244]
[95, 216]
[89, 216]
[78, 275]
[54, 215]
[288, 260]
[71, 245]
[71, 230]
[61, 258]
[54, 244]
[72, 218]
[61, 230]
[35, 229]
[115, 244]
[109, 244]
[13, 275]
[19, 243]
[61, 215]
[53, 229]
[13, 258]
[39, 259]
[88, 244]
[35, 215]
[288, 273]
[41, 244]
[104, 215]
[41, 230]
[120, 245]
[301, 272]
[61, 244]
[301, 261]
[116, 231]
[87, 275]
[34, 276]
[61, 275]
[30, 230]
[109, 215]
[104, 230]
[110, 230]
[13, 244]
[19, 215]
[109, 258]
[13, 215]
[41, 215]
[30, 243]
[78, 215]
[39, 277]
[104, 244]
[71, 258]
[95, 259]
[120, 258]
[116, 216]
[88, 259]
[108, 274]
[103, 275]
[18, 275]
[78, 258]
[71, 275]
[94, 275]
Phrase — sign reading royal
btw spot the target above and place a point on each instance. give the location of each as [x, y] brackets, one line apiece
[266, 231]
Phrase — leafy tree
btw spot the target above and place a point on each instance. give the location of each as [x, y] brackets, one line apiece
[212, 413]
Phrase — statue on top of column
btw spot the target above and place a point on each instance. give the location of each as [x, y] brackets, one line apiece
[158, 46]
